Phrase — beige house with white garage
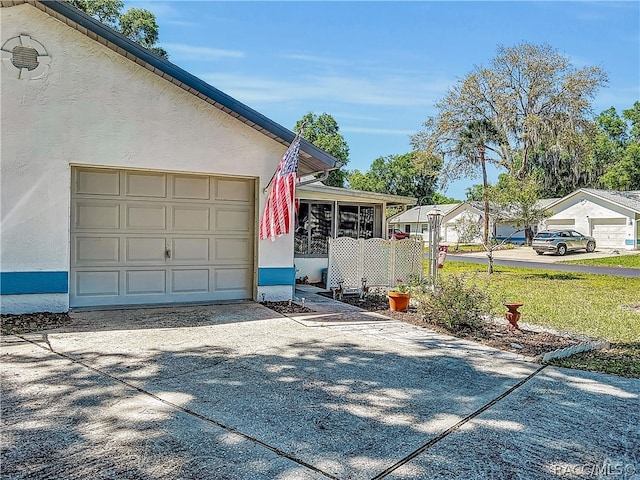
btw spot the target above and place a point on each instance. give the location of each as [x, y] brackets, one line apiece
[611, 217]
[125, 179]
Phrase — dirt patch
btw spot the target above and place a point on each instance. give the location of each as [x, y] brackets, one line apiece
[287, 308]
[32, 322]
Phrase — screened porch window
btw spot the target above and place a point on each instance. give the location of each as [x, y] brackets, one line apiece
[313, 229]
[356, 221]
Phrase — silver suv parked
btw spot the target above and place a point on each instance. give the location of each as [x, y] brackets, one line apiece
[562, 241]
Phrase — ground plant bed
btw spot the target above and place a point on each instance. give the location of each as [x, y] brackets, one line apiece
[525, 342]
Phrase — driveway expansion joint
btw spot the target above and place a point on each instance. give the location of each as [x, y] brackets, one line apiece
[187, 411]
[455, 427]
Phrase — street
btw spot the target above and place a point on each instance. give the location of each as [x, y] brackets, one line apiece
[525, 257]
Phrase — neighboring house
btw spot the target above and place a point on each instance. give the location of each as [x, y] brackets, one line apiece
[125, 179]
[611, 217]
[465, 211]
[506, 226]
[328, 212]
[415, 220]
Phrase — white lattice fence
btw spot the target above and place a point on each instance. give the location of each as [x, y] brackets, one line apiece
[376, 260]
[344, 253]
[380, 261]
[409, 255]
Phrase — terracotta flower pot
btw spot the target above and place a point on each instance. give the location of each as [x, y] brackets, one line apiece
[398, 302]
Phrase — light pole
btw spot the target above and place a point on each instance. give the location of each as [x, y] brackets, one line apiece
[435, 217]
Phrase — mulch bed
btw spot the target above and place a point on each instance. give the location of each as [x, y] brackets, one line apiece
[286, 308]
[525, 342]
[32, 322]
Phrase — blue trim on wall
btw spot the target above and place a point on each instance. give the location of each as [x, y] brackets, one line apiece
[629, 241]
[25, 283]
[269, 276]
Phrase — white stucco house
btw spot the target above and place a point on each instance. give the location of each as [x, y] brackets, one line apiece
[611, 217]
[125, 179]
[415, 220]
[329, 212]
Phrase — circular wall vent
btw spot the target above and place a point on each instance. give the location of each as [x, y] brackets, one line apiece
[25, 57]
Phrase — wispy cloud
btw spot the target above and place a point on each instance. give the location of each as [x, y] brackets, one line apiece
[353, 90]
[180, 23]
[618, 95]
[377, 131]
[317, 60]
[346, 115]
[166, 13]
[193, 52]
[162, 10]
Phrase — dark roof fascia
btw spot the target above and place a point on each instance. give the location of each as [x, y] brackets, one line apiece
[79, 17]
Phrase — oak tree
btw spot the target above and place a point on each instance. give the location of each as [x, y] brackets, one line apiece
[537, 100]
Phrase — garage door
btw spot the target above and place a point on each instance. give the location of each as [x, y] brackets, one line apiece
[147, 237]
[560, 223]
[609, 232]
[450, 234]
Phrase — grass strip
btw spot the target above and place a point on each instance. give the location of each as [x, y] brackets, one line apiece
[601, 306]
[621, 261]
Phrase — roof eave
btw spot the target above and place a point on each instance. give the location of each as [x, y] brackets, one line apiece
[382, 197]
[592, 194]
[312, 159]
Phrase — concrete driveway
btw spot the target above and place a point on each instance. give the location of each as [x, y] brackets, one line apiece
[239, 392]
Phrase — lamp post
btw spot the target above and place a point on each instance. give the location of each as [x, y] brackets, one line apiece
[435, 217]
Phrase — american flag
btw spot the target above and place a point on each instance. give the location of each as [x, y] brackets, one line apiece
[276, 218]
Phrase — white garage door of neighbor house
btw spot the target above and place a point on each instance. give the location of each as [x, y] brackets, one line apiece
[609, 232]
[150, 237]
[450, 234]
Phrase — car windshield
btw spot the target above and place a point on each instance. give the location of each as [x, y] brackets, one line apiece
[545, 235]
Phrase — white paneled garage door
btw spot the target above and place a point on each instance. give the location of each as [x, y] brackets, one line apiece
[609, 232]
[146, 237]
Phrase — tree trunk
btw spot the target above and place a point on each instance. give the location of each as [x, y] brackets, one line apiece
[485, 184]
[528, 235]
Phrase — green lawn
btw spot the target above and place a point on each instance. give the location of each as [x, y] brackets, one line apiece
[601, 306]
[596, 305]
[625, 261]
[471, 248]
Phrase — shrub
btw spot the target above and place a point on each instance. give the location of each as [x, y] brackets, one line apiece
[456, 303]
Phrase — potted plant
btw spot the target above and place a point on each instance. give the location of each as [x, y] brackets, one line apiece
[399, 297]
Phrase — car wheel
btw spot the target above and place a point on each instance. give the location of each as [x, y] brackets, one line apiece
[539, 252]
[591, 246]
[562, 249]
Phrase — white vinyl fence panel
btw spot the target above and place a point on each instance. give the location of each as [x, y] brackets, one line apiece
[381, 262]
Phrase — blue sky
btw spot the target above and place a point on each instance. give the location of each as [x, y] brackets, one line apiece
[378, 67]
